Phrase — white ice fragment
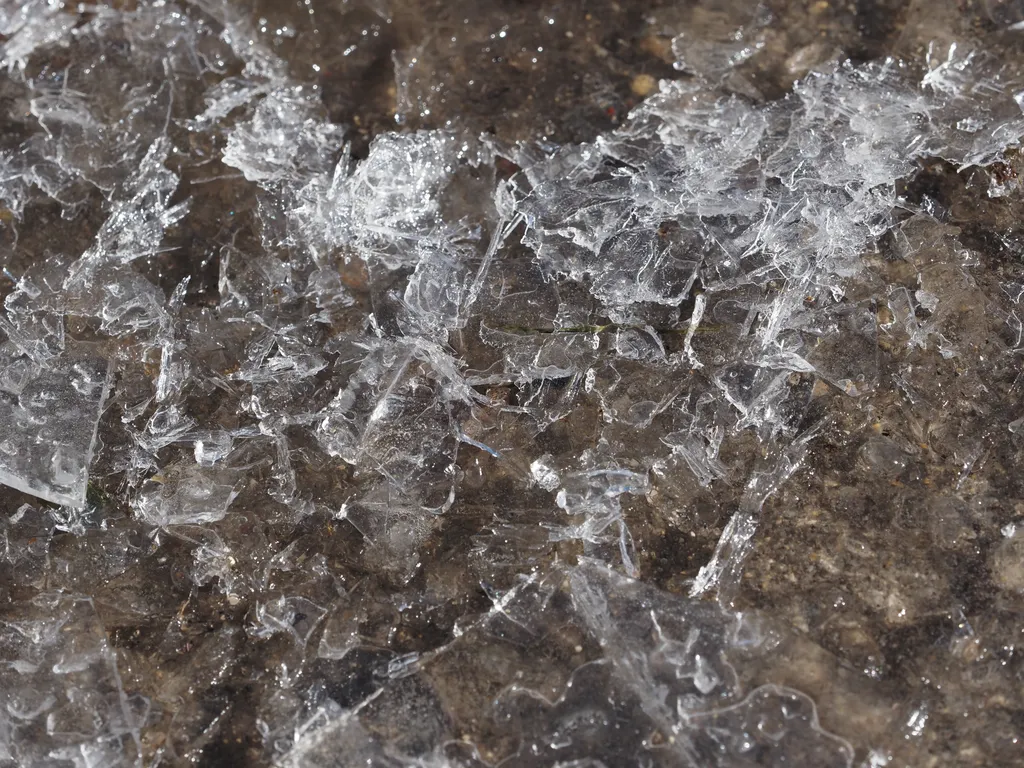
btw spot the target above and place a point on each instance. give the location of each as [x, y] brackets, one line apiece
[319, 747]
[700, 302]
[226, 96]
[286, 139]
[700, 453]
[49, 423]
[733, 546]
[543, 475]
[212, 448]
[705, 679]
[970, 125]
[949, 76]
[592, 498]
[395, 190]
[927, 300]
[877, 759]
[59, 678]
[403, 666]
[261, 63]
[295, 616]
[946, 348]
[138, 218]
[916, 722]
[363, 401]
[390, 202]
[393, 420]
[435, 292]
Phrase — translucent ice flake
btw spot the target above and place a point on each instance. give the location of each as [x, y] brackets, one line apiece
[363, 401]
[32, 319]
[978, 103]
[540, 356]
[373, 399]
[591, 497]
[238, 31]
[699, 452]
[733, 547]
[49, 415]
[149, 56]
[777, 724]
[320, 747]
[717, 46]
[286, 139]
[394, 421]
[188, 495]
[722, 572]
[294, 616]
[143, 213]
[437, 290]
[776, 203]
[395, 193]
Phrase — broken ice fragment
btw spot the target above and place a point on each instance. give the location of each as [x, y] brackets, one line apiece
[49, 416]
[393, 419]
[213, 447]
[189, 495]
[778, 723]
[295, 616]
[594, 495]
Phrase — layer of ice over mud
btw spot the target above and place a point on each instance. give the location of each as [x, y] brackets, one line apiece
[397, 313]
[664, 687]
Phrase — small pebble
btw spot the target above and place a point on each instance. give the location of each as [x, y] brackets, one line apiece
[643, 86]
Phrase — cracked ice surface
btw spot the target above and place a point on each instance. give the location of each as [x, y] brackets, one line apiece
[520, 408]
